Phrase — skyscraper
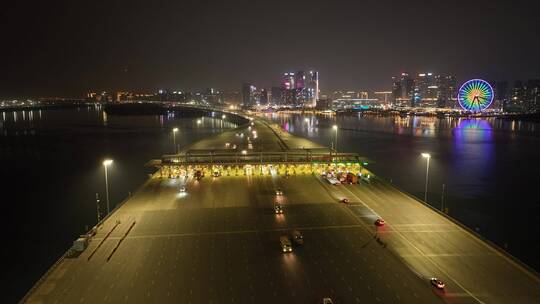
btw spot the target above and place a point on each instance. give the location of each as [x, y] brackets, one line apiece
[532, 95]
[265, 97]
[248, 95]
[445, 91]
[287, 81]
[300, 80]
[500, 98]
[278, 97]
[312, 88]
[425, 90]
[403, 90]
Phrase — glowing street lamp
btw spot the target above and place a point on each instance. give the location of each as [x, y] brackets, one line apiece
[107, 163]
[335, 127]
[174, 138]
[223, 116]
[198, 121]
[427, 156]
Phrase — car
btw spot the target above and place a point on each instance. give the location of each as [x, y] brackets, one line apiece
[327, 301]
[279, 192]
[278, 209]
[333, 181]
[437, 283]
[379, 222]
[216, 173]
[182, 189]
[286, 245]
[297, 237]
[345, 200]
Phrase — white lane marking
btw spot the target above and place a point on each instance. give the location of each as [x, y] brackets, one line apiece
[427, 257]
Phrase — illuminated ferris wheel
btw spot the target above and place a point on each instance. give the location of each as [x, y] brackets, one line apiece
[475, 95]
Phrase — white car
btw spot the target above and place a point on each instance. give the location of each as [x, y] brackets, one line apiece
[182, 189]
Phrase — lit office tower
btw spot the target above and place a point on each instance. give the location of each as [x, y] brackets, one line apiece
[299, 90]
[425, 90]
[278, 94]
[289, 87]
[402, 90]
[248, 95]
[300, 80]
[288, 81]
[312, 88]
[265, 97]
[446, 91]
[533, 95]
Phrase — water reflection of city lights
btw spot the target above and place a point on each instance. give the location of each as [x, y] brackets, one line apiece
[473, 130]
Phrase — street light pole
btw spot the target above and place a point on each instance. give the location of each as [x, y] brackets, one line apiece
[335, 127]
[107, 163]
[428, 156]
[442, 198]
[97, 208]
[174, 139]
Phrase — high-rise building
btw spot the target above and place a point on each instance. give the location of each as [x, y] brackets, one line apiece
[425, 90]
[312, 87]
[517, 98]
[277, 94]
[298, 89]
[300, 80]
[532, 95]
[249, 95]
[500, 98]
[264, 97]
[231, 97]
[212, 96]
[524, 97]
[288, 81]
[403, 90]
[446, 91]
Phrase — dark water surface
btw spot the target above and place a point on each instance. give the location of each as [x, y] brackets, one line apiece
[52, 169]
[489, 167]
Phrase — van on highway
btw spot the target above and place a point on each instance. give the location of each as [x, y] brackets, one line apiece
[286, 245]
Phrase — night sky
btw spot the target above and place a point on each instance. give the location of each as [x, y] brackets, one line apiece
[66, 48]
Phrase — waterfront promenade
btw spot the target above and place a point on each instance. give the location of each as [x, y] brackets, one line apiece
[218, 242]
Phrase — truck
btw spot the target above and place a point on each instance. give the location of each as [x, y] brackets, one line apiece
[351, 178]
[80, 244]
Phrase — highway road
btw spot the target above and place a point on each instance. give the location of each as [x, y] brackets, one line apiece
[219, 243]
